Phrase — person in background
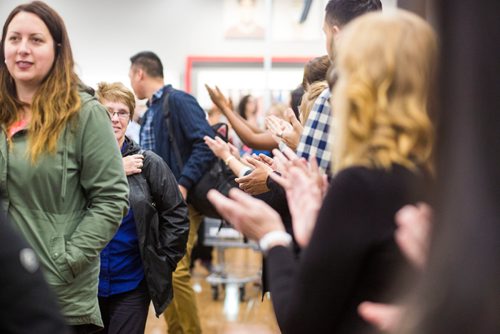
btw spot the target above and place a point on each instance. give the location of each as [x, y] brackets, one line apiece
[189, 125]
[65, 188]
[295, 99]
[250, 136]
[134, 127]
[315, 137]
[137, 264]
[247, 109]
[314, 83]
[384, 148]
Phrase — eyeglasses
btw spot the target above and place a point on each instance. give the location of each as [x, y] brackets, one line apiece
[121, 114]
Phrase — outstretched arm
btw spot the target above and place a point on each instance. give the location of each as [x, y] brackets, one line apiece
[222, 150]
[255, 140]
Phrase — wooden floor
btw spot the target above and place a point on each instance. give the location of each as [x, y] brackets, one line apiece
[227, 314]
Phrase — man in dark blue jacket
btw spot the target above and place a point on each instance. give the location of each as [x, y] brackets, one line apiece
[189, 125]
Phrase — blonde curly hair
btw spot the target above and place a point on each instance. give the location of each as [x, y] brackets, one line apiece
[385, 64]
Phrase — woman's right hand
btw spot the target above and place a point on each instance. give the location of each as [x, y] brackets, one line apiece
[133, 164]
[218, 98]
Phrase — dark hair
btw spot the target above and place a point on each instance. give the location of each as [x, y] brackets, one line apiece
[242, 105]
[315, 70]
[340, 12]
[296, 100]
[149, 62]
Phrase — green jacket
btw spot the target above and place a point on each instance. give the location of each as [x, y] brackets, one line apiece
[68, 205]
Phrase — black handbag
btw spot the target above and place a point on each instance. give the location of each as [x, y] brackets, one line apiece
[218, 176]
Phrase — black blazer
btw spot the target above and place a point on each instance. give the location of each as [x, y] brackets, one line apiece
[352, 255]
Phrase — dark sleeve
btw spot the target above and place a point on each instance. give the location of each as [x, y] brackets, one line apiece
[172, 210]
[276, 198]
[320, 285]
[27, 304]
[194, 126]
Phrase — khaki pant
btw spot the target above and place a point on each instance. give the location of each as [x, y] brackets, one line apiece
[182, 314]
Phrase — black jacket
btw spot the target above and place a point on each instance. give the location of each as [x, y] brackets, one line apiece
[26, 302]
[161, 218]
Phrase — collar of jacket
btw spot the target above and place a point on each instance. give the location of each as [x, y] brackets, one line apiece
[132, 147]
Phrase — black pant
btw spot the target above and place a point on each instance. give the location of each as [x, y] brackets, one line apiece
[200, 251]
[125, 312]
[85, 329]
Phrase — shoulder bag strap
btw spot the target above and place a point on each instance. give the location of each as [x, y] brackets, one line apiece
[170, 130]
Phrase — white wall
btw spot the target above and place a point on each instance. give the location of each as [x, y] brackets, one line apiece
[105, 33]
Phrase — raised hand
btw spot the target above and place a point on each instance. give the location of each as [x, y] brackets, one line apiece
[218, 98]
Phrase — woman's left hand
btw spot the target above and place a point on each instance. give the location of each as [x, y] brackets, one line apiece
[249, 215]
[219, 147]
[287, 132]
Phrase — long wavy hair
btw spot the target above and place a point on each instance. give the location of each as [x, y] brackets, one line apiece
[56, 101]
[385, 63]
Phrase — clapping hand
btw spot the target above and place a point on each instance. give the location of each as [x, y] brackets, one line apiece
[287, 132]
[305, 187]
[413, 232]
[249, 215]
[255, 183]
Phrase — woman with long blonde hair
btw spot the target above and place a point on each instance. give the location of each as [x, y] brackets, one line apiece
[383, 148]
[65, 185]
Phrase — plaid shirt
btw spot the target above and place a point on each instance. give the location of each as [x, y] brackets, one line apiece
[147, 138]
[315, 136]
